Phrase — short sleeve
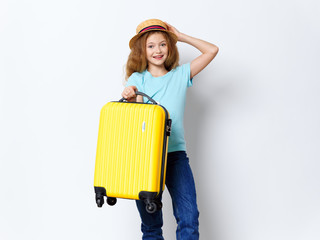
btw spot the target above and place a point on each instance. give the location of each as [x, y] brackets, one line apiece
[134, 80]
[187, 73]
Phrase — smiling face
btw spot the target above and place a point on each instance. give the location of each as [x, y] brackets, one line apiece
[156, 49]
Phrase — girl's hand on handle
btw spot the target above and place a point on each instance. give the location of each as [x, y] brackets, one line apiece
[129, 93]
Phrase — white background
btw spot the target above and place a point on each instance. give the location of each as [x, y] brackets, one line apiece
[252, 117]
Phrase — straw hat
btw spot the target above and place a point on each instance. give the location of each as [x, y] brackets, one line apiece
[151, 25]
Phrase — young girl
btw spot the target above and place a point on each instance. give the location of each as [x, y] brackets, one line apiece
[152, 68]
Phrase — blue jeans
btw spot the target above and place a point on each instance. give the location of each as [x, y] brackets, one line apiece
[180, 184]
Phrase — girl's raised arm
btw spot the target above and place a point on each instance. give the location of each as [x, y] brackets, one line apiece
[208, 50]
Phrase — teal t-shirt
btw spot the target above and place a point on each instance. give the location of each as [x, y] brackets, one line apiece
[169, 91]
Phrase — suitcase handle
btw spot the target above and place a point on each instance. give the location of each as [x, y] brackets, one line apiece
[144, 95]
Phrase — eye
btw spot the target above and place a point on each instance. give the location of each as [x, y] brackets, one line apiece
[150, 46]
[163, 44]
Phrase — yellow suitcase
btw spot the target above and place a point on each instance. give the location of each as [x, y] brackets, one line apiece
[132, 152]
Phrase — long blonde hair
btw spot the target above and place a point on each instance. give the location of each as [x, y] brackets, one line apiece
[137, 60]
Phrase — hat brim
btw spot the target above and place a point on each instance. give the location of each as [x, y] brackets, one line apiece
[134, 39]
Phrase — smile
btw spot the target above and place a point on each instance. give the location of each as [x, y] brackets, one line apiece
[158, 57]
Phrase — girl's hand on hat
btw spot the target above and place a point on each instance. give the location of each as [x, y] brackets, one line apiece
[174, 30]
[129, 93]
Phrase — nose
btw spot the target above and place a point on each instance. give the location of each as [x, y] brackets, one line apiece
[158, 49]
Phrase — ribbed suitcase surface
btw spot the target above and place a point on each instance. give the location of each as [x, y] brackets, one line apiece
[131, 150]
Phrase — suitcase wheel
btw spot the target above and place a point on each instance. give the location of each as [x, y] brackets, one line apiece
[111, 201]
[151, 207]
[100, 201]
